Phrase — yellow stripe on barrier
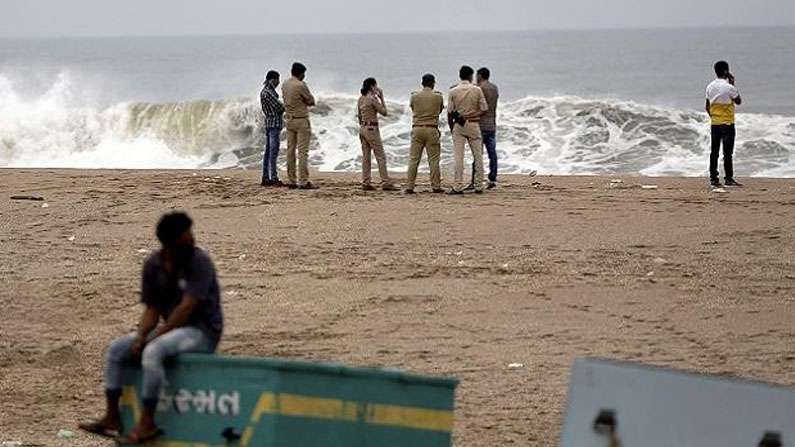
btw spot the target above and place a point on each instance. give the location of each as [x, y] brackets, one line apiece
[409, 417]
[317, 407]
[130, 398]
[265, 405]
[295, 405]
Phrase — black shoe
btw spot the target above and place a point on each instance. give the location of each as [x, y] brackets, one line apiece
[437, 191]
[715, 183]
[455, 192]
[732, 182]
[278, 183]
[308, 185]
[368, 187]
[491, 185]
[266, 183]
[292, 186]
[389, 187]
[408, 191]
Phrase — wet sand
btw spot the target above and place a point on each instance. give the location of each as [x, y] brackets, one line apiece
[536, 274]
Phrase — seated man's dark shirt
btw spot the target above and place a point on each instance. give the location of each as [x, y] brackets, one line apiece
[197, 279]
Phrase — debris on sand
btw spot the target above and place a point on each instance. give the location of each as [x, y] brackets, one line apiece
[65, 434]
[515, 365]
[648, 186]
[32, 198]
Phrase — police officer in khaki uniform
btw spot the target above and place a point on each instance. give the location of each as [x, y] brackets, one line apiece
[297, 100]
[465, 107]
[426, 105]
[370, 105]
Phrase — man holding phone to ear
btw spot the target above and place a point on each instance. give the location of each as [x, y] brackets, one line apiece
[722, 96]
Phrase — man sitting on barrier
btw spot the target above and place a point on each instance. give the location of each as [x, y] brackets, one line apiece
[179, 285]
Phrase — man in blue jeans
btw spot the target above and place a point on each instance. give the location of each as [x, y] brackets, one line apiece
[274, 112]
[488, 124]
[179, 287]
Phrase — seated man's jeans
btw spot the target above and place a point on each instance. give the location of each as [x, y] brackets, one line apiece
[183, 340]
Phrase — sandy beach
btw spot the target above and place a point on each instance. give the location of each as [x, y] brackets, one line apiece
[538, 272]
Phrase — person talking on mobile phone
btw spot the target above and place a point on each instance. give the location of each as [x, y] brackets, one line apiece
[371, 104]
[722, 97]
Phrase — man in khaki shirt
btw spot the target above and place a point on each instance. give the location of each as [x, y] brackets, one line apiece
[465, 107]
[297, 100]
[426, 105]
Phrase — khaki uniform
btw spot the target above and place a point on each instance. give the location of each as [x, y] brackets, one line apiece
[297, 100]
[468, 100]
[369, 108]
[426, 105]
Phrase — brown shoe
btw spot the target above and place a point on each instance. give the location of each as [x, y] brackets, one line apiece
[368, 187]
[438, 191]
[308, 185]
[102, 428]
[389, 187]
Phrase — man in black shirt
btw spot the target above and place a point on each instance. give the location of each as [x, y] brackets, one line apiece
[179, 287]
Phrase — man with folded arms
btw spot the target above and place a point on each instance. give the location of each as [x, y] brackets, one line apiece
[297, 101]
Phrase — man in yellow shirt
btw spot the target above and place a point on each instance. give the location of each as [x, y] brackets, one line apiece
[722, 96]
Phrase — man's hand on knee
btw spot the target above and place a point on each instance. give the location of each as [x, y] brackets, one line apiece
[138, 347]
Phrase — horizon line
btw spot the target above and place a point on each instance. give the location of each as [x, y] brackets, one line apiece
[405, 32]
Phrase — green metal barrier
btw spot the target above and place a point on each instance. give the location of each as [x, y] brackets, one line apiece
[214, 401]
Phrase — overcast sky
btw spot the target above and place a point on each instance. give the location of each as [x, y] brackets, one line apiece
[179, 17]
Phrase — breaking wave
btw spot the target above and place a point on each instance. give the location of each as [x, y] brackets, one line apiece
[554, 135]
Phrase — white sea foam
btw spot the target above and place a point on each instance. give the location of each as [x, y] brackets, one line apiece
[554, 135]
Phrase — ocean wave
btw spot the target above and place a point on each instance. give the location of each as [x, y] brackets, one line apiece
[554, 135]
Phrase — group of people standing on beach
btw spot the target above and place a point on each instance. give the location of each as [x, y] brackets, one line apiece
[472, 115]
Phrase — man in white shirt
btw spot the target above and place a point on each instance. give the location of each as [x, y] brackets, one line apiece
[722, 96]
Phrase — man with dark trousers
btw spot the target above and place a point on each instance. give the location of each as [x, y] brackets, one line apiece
[488, 125]
[722, 96]
[273, 109]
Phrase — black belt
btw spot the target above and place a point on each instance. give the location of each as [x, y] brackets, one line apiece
[430, 126]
